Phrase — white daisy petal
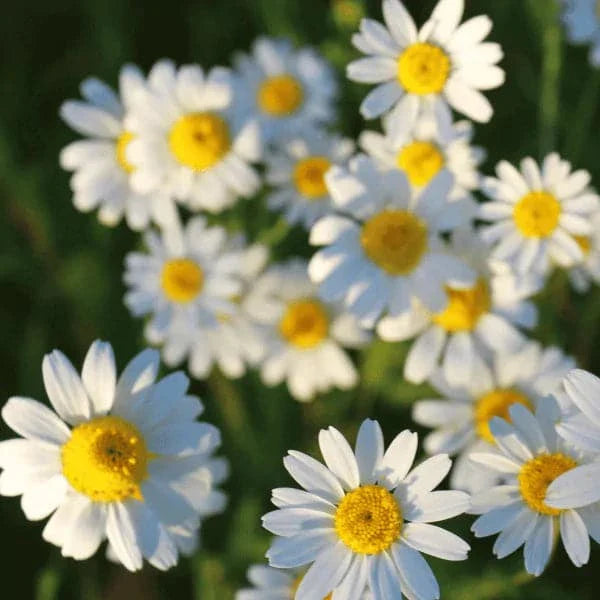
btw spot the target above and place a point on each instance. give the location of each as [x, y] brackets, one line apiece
[325, 574]
[575, 488]
[34, 421]
[435, 541]
[538, 547]
[339, 457]
[369, 450]
[575, 537]
[99, 376]
[313, 476]
[416, 572]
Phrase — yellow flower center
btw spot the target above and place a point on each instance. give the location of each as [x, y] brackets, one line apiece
[305, 323]
[423, 69]
[583, 241]
[368, 519]
[182, 279]
[280, 96]
[537, 474]
[200, 140]
[536, 214]
[296, 585]
[309, 176]
[394, 240]
[465, 307]
[421, 161]
[496, 404]
[122, 143]
[106, 459]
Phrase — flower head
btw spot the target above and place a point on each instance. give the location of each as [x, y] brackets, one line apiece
[362, 519]
[121, 458]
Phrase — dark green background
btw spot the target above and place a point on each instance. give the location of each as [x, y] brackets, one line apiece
[60, 271]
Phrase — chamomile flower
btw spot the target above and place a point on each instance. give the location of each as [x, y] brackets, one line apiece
[233, 340]
[580, 426]
[190, 141]
[538, 214]
[188, 280]
[363, 518]
[304, 336]
[426, 72]
[276, 584]
[383, 248]
[587, 272]
[122, 459]
[426, 150]
[461, 416]
[476, 322]
[101, 168]
[296, 170]
[285, 89]
[531, 456]
[581, 19]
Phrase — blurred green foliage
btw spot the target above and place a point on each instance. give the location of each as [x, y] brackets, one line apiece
[60, 271]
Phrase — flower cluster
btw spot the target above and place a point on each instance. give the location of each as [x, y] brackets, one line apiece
[405, 251]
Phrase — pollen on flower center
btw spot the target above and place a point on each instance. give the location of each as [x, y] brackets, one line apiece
[537, 214]
[423, 69]
[305, 323]
[537, 474]
[280, 96]
[465, 307]
[394, 240]
[421, 161]
[182, 279]
[309, 176]
[122, 143]
[200, 140]
[106, 459]
[496, 404]
[368, 519]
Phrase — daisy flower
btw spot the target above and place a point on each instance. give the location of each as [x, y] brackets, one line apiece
[531, 456]
[363, 518]
[189, 280]
[580, 426]
[461, 416]
[122, 459]
[190, 141]
[101, 168]
[587, 272]
[304, 336]
[581, 19]
[538, 213]
[383, 248]
[296, 171]
[284, 89]
[476, 322]
[443, 65]
[231, 341]
[276, 584]
[426, 150]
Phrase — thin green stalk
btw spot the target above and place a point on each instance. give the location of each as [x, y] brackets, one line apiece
[579, 130]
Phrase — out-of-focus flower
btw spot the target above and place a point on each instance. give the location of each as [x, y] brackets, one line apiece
[582, 24]
[304, 336]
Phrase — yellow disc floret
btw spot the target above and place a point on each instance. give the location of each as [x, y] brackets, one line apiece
[305, 323]
[421, 161]
[537, 214]
[394, 240]
[423, 69]
[200, 140]
[584, 242]
[537, 474]
[121, 148]
[106, 459]
[496, 404]
[182, 279]
[368, 519]
[309, 176]
[465, 307]
[280, 96]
